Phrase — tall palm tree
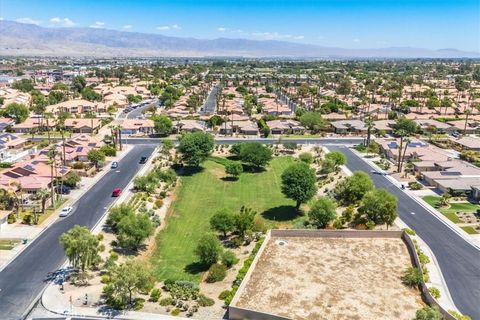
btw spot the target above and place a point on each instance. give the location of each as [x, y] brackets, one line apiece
[369, 124]
[52, 153]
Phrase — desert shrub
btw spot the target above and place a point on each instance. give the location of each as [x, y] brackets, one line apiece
[159, 203]
[155, 295]
[28, 219]
[138, 304]
[78, 165]
[424, 259]
[459, 316]
[412, 277]
[410, 231]
[175, 312]
[428, 313]
[166, 302]
[217, 272]
[105, 279]
[306, 157]
[434, 292]
[204, 301]
[224, 294]
[11, 218]
[184, 290]
[229, 259]
[414, 185]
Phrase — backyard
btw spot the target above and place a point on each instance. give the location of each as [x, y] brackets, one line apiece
[202, 194]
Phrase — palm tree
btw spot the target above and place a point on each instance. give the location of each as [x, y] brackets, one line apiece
[52, 153]
[467, 113]
[15, 192]
[43, 195]
[369, 124]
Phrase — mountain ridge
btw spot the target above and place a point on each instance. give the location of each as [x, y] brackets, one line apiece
[19, 39]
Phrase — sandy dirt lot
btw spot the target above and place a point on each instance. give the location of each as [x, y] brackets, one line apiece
[332, 278]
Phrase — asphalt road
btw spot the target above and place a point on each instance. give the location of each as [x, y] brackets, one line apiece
[23, 279]
[458, 259]
[210, 104]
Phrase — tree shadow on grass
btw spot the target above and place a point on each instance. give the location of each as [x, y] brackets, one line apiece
[195, 268]
[252, 169]
[188, 171]
[280, 213]
[227, 179]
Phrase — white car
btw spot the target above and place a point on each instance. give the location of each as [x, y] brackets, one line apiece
[65, 211]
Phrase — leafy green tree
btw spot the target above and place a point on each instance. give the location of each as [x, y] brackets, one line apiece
[71, 179]
[428, 313]
[195, 147]
[167, 145]
[133, 229]
[353, 188]
[234, 169]
[126, 280]
[244, 221]
[312, 121]
[379, 206]
[79, 83]
[95, 156]
[255, 154]
[56, 96]
[344, 87]
[306, 157]
[116, 214]
[91, 95]
[322, 212]
[338, 158]
[222, 221]
[18, 112]
[134, 98]
[298, 183]
[24, 85]
[163, 125]
[208, 249]
[81, 247]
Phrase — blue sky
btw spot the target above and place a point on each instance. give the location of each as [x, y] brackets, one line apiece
[340, 23]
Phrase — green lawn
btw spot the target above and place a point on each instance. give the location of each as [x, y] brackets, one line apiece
[8, 244]
[454, 207]
[470, 230]
[203, 193]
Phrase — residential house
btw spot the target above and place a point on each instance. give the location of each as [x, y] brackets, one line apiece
[349, 126]
[83, 125]
[137, 126]
[285, 126]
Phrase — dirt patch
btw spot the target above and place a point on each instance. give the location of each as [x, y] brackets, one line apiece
[315, 278]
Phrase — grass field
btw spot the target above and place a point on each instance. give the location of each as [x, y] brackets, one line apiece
[469, 230]
[202, 194]
[453, 207]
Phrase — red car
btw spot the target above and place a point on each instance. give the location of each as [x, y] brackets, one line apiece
[116, 192]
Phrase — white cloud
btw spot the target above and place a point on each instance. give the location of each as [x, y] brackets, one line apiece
[356, 40]
[98, 25]
[172, 27]
[221, 29]
[62, 22]
[299, 37]
[127, 26]
[1, 18]
[28, 21]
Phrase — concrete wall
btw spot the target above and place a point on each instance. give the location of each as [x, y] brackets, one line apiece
[238, 313]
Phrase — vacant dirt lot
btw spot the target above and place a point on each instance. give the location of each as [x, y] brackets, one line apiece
[332, 278]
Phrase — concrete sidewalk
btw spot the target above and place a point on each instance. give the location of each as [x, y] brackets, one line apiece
[30, 233]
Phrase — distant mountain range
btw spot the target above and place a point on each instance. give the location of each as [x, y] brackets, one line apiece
[19, 39]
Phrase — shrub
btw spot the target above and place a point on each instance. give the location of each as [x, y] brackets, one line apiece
[428, 313]
[11, 218]
[217, 272]
[424, 259]
[183, 290]
[78, 165]
[175, 312]
[204, 301]
[410, 231]
[229, 259]
[105, 279]
[306, 157]
[224, 294]
[166, 302]
[155, 295]
[138, 304]
[28, 219]
[158, 203]
[459, 316]
[414, 185]
[434, 292]
[412, 277]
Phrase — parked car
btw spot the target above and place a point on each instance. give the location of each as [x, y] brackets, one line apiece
[65, 212]
[143, 160]
[114, 165]
[116, 192]
[62, 189]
